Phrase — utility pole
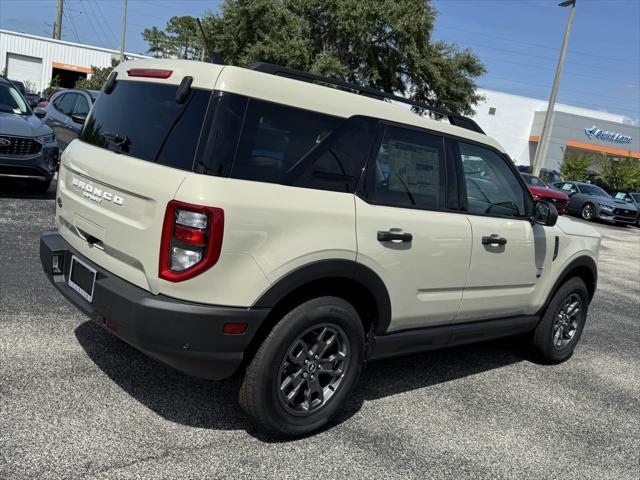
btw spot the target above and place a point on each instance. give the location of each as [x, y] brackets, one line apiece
[543, 144]
[57, 27]
[124, 29]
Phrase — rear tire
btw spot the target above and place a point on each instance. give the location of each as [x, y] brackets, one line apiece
[559, 331]
[305, 369]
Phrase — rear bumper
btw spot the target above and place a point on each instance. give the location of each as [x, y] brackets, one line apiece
[186, 336]
[41, 167]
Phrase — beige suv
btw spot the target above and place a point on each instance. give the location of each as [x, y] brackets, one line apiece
[289, 228]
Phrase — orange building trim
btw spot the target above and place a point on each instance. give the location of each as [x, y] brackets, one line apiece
[534, 138]
[74, 68]
[599, 148]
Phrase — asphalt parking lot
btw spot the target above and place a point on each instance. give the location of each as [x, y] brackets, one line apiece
[76, 402]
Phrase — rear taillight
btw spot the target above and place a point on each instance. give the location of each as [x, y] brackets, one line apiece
[149, 72]
[191, 240]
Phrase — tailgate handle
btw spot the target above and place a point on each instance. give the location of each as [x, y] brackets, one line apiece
[90, 239]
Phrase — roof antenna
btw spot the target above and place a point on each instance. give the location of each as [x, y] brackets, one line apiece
[212, 57]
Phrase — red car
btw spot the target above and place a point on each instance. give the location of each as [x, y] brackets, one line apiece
[541, 191]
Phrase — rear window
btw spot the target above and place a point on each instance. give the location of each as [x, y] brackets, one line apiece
[144, 120]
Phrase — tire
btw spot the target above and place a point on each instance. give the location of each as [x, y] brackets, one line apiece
[283, 367]
[549, 346]
[587, 211]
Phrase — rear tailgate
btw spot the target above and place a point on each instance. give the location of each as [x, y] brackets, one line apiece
[117, 203]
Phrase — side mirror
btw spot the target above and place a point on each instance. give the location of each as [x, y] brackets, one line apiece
[40, 113]
[33, 102]
[79, 117]
[544, 214]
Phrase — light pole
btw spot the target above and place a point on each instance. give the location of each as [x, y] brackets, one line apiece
[124, 29]
[543, 144]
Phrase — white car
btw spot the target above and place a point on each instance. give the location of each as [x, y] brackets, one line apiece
[250, 220]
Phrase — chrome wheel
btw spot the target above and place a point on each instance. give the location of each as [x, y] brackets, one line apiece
[587, 211]
[313, 368]
[566, 322]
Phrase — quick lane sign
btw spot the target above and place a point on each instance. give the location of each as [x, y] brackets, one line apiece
[606, 135]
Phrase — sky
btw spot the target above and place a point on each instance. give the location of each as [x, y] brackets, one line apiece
[518, 40]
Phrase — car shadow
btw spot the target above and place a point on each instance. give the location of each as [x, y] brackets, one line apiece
[22, 190]
[207, 404]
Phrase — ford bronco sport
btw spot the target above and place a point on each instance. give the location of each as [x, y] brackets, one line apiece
[266, 222]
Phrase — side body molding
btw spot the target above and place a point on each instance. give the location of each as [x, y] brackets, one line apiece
[327, 270]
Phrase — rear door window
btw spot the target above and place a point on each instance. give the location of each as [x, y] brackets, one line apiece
[409, 170]
[82, 106]
[143, 120]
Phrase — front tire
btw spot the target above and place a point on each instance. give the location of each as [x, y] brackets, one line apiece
[557, 334]
[306, 368]
[587, 212]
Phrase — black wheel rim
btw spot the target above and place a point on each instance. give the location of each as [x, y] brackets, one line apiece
[313, 369]
[566, 322]
[587, 212]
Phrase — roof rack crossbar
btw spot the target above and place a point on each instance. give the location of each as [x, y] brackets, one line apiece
[454, 118]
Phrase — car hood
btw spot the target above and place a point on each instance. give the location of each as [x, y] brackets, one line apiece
[548, 192]
[612, 202]
[569, 227]
[12, 124]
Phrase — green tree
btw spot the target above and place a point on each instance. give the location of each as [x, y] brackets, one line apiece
[98, 76]
[53, 85]
[384, 44]
[181, 38]
[574, 167]
[620, 173]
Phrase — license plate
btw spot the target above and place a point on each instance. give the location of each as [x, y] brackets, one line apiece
[82, 278]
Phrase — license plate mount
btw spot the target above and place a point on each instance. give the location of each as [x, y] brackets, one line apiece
[82, 278]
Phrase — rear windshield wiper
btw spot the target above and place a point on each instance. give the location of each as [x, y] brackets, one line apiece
[120, 141]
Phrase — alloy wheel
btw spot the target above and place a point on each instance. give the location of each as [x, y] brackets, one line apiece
[566, 322]
[313, 368]
[587, 211]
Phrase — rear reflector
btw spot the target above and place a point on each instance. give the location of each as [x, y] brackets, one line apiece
[234, 328]
[192, 236]
[149, 73]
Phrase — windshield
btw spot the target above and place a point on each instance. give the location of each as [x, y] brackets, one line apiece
[11, 101]
[535, 181]
[593, 190]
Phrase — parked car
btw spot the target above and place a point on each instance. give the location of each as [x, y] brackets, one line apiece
[67, 111]
[546, 174]
[28, 148]
[591, 202]
[630, 197]
[225, 219]
[31, 98]
[542, 191]
[45, 101]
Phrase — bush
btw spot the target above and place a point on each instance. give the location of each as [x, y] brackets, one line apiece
[574, 167]
[620, 173]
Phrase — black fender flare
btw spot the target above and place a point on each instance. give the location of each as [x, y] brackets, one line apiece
[581, 262]
[331, 269]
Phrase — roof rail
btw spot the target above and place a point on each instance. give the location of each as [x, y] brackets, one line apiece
[454, 118]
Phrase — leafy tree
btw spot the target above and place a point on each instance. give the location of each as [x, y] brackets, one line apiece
[53, 85]
[98, 76]
[620, 173]
[181, 38]
[384, 44]
[575, 167]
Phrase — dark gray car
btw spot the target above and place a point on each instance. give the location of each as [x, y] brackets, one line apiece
[630, 197]
[591, 202]
[28, 148]
[67, 111]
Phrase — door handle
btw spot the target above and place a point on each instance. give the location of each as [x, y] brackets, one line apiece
[390, 235]
[494, 240]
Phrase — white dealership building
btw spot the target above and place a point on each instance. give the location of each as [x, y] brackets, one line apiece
[516, 122]
[35, 60]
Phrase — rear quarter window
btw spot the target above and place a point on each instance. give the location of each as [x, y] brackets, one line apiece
[144, 121]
